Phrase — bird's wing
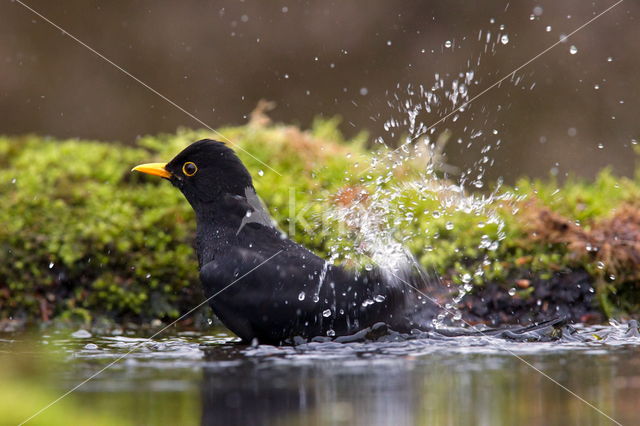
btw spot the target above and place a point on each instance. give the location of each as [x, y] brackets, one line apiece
[260, 293]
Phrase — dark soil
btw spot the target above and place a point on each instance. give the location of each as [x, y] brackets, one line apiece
[569, 295]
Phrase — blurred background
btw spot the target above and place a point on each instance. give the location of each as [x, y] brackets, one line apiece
[573, 111]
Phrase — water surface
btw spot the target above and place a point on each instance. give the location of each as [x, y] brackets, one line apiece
[191, 378]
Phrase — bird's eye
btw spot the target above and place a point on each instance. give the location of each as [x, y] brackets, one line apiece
[189, 168]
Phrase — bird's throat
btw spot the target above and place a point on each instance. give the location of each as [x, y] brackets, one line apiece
[215, 233]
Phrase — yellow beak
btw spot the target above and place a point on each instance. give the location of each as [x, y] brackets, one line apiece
[156, 169]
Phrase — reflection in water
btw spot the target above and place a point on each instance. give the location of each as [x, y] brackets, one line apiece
[190, 378]
[472, 381]
[309, 393]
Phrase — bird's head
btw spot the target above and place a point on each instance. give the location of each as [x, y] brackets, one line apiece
[204, 172]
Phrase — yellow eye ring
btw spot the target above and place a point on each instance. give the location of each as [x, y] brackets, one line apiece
[189, 168]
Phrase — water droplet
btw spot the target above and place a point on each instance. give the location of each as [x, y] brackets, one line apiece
[81, 334]
[448, 44]
[512, 291]
[315, 298]
[609, 59]
[573, 50]
[331, 333]
[326, 313]
[466, 278]
[389, 43]
[596, 86]
[301, 296]
[600, 146]
[260, 172]
[379, 298]
[548, 29]
[51, 265]
[449, 226]
[600, 265]
[364, 91]
[367, 302]
[504, 39]
[13, 180]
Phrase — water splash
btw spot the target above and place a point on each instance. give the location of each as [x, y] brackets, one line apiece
[414, 184]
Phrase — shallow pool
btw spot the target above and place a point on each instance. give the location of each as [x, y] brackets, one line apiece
[191, 378]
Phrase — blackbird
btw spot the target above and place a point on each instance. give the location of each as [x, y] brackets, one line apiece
[263, 285]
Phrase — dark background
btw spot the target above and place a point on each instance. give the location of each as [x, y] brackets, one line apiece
[218, 58]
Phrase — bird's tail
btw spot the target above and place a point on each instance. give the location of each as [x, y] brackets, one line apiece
[543, 331]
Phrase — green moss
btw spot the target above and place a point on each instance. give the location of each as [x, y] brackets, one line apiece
[83, 238]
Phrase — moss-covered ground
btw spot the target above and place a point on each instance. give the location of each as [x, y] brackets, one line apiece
[84, 240]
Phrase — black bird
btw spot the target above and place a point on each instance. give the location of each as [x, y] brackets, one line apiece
[265, 285]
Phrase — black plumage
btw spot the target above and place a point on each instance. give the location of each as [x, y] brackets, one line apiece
[279, 290]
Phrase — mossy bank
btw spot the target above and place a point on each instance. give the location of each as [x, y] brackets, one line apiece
[84, 240]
